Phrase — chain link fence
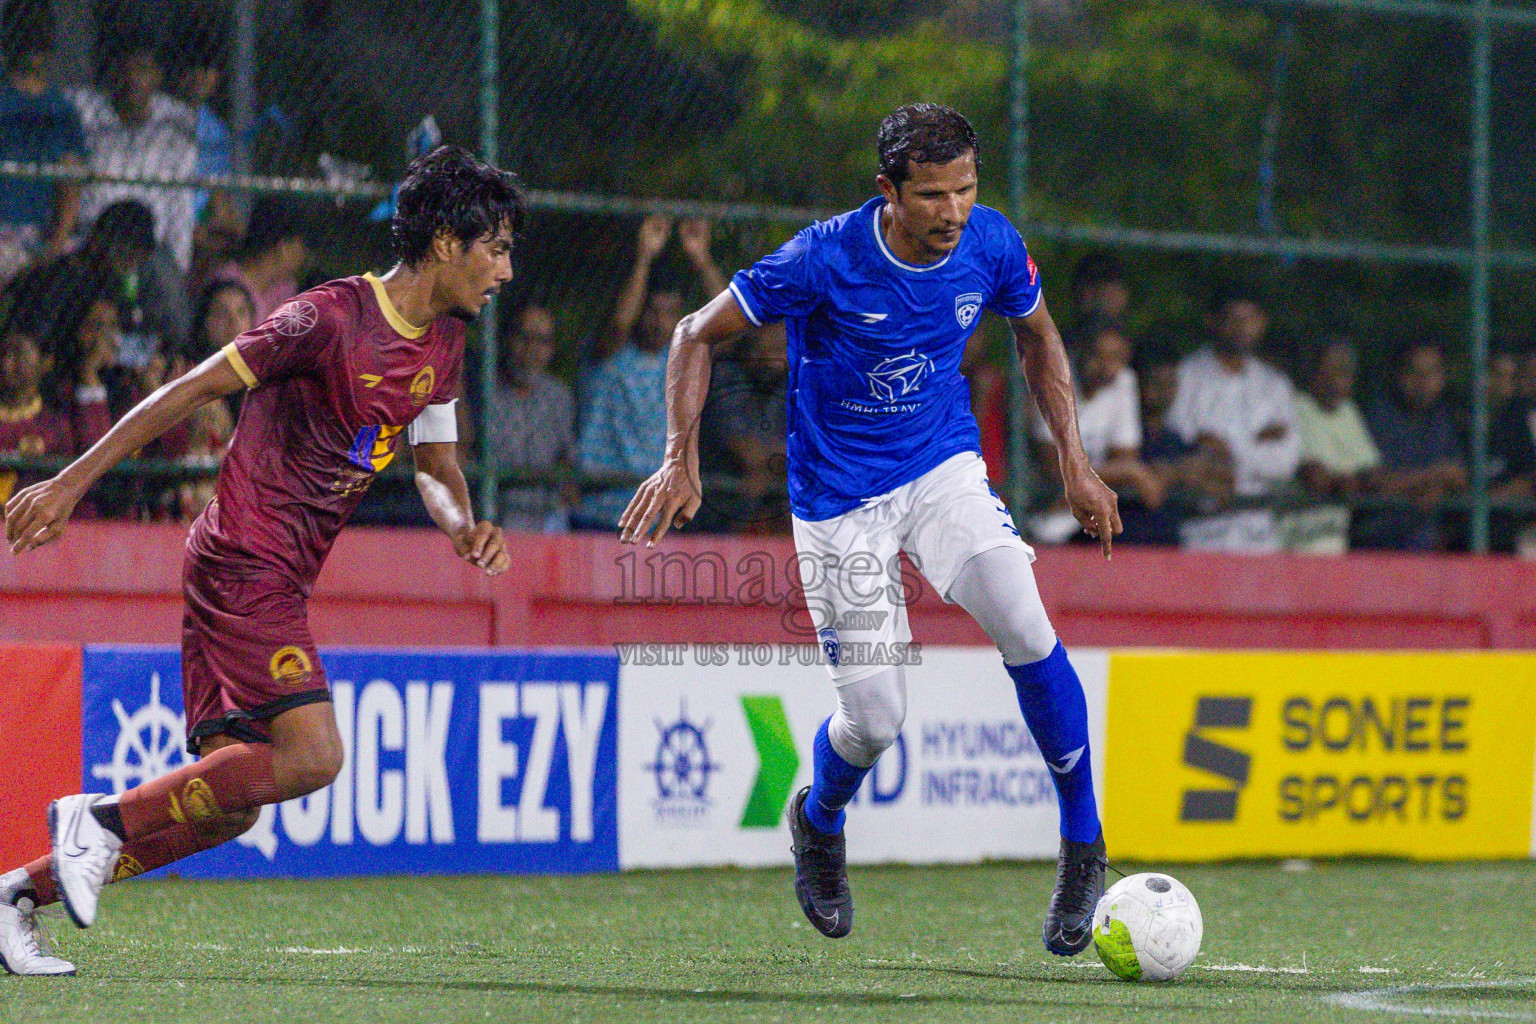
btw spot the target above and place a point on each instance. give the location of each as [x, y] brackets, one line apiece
[1322, 155]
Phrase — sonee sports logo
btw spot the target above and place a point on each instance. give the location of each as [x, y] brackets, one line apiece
[1221, 761]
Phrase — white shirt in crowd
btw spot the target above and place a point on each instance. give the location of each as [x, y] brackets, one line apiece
[1237, 407]
[161, 145]
[1109, 421]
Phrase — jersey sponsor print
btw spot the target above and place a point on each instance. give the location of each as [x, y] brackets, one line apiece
[876, 398]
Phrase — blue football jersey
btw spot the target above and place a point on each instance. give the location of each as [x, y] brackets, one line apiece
[876, 397]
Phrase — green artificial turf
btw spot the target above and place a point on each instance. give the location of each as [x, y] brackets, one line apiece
[930, 944]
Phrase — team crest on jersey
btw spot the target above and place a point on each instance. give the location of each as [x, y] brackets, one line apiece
[296, 318]
[830, 645]
[967, 306]
[898, 376]
[421, 387]
[290, 665]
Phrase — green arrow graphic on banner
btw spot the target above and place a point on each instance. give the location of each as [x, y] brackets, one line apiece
[777, 761]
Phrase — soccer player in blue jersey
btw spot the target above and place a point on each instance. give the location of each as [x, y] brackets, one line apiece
[884, 457]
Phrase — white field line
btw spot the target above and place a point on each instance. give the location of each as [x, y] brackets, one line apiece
[1252, 968]
[1385, 1000]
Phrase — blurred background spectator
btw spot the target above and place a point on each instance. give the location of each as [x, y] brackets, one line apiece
[269, 261]
[1338, 458]
[1240, 410]
[743, 435]
[37, 124]
[532, 424]
[132, 128]
[1109, 420]
[1192, 477]
[1422, 461]
[624, 417]
[1099, 292]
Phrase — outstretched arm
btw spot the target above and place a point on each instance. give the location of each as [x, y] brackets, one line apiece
[446, 495]
[1050, 381]
[37, 515]
[671, 496]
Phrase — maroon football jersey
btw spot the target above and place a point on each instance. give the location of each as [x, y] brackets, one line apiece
[336, 374]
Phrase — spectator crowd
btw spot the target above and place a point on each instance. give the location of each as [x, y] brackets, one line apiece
[1217, 439]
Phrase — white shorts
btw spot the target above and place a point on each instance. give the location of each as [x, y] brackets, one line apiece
[850, 565]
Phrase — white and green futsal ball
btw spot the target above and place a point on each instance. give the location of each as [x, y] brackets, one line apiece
[1147, 928]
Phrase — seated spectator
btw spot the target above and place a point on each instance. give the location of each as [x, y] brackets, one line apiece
[1422, 461]
[1109, 420]
[1511, 447]
[117, 258]
[131, 127]
[29, 424]
[1099, 292]
[1338, 458]
[268, 261]
[744, 434]
[532, 425]
[1192, 477]
[1242, 410]
[37, 124]
[624, 414]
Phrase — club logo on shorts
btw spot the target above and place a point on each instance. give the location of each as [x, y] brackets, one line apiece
[291, 665]
[296, 318]
[967, 307]
[421, 387]
[830, 645]
[197, 803]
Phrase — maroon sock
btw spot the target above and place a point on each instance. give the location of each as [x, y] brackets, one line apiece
[230, 780]
[40, 872]
[164, 847]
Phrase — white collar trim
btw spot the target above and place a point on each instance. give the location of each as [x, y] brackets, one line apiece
[914, 268]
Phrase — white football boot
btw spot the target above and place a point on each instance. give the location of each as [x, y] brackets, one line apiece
[24, 946]
[84, 854]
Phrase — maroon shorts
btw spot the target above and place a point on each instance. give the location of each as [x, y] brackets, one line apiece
[246, 654]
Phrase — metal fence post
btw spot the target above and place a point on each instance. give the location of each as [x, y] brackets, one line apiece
[243, 84]
[490, 72]
[1018, 184]
[1479, 275]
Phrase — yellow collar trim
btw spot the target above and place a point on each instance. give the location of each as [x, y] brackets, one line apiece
[21, 414]
[398, 322]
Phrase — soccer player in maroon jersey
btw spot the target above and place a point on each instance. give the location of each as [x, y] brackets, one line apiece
[335, 378]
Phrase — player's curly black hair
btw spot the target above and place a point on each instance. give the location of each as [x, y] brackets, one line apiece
[450, 189]
[925, 133]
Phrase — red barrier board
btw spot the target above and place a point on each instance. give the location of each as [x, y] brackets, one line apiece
[39, 743]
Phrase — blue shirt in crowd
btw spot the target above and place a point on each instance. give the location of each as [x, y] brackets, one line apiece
[39, 129]
[876, 398]
[624, 429]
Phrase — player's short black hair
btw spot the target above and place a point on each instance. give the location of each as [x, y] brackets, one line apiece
[450, 189]
[924, 133]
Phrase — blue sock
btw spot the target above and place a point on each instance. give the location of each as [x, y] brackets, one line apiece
[833, 785]
[1057, 715]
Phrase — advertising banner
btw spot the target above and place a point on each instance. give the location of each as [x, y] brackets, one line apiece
[456, 762]
[1217, 755]
[39, 742]
[715, 739]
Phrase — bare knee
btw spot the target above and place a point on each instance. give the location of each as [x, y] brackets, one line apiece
[307, 753]
[312, 767]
